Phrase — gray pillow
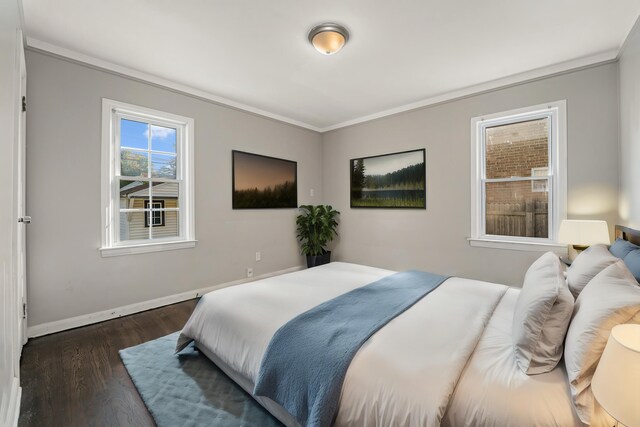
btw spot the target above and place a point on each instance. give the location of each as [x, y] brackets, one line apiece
[610, 299]
[590, 262]
[541, 317]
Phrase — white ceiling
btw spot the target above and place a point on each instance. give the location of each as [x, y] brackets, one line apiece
[256, 53]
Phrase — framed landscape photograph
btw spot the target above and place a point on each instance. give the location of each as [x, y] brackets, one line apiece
[396, 180]
[262, 182]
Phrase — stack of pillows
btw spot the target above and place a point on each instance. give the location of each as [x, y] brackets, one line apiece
[576, 315]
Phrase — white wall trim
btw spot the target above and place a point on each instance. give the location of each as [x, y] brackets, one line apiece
[101, 316]
[630, 34]
[515, 79]
[13, 406]
[519, 246]
[39, 45]
[146, 248]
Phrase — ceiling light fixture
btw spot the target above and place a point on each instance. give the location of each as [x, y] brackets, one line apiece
[328, 38]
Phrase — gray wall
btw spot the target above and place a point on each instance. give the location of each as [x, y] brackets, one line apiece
[67, 276]
[435, 239]
[630, 130]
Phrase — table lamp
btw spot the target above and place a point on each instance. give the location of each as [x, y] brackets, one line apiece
[583, 233]
[616, 382]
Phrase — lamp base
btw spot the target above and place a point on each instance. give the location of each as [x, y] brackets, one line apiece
[580, 248]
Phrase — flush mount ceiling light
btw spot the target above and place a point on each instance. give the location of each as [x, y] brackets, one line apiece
[328, 38]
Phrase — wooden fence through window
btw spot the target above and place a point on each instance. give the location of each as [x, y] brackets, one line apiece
[524, 219]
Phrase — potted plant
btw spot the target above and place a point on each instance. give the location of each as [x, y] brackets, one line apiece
[316, 227]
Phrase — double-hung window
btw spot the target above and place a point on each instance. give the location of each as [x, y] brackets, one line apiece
[518, 177]
[147, 180]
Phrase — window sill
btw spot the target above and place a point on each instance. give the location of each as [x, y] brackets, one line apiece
[146, 247]
[518, 246]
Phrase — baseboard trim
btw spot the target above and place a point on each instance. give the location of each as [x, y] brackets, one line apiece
[13, 407]
[101, 316]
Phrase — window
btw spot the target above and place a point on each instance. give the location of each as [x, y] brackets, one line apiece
[540, 185]
[518, 195]
[147, 180]
[155, 213]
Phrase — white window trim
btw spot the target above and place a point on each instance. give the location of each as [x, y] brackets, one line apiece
[110, 215]
[558, 152]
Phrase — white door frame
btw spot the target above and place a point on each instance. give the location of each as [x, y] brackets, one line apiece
[21, 243]
[19, 232]
[12, 265]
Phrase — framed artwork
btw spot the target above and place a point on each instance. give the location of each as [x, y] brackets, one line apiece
[396, 180]
[262, 182]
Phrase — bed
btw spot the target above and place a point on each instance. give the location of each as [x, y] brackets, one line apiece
[447, 360]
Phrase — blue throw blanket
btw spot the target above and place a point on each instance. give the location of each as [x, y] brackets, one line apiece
[307, 359]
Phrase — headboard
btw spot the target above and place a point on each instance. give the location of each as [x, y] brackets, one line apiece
[626, 233]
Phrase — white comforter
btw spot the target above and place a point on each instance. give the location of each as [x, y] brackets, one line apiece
[404, 375]
[494, 392]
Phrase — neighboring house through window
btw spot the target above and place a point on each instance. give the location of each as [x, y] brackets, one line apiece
[519, 183]
[147, 180]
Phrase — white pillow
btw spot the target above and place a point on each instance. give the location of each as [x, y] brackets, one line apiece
[587, 264]
[610, 299]
[541, 317]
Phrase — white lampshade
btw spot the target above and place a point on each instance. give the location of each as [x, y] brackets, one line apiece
[616, 382]
[583, 232]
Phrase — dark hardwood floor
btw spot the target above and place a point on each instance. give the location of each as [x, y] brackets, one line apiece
[76, 378]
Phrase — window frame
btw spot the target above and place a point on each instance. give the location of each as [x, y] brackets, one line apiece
[112, 112]
[557, 177]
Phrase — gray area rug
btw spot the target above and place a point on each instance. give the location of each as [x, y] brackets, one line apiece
[187, 389]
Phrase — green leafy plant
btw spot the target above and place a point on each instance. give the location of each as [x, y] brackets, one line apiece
[316, 228]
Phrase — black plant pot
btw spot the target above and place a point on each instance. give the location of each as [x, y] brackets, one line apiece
[315, 260]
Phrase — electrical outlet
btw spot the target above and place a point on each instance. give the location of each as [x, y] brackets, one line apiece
[249, 272]
[258, 256]
[312, 192]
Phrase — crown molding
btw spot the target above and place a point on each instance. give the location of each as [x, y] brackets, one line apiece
[501, 83]
[39, 45]
[512, 80]
[631, 33]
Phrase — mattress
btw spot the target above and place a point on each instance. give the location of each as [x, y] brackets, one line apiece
[447, 359]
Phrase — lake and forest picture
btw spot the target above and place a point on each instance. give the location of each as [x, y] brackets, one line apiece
[396, 180]
[261, 182]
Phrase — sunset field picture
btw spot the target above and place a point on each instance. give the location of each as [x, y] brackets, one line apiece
[261, 182]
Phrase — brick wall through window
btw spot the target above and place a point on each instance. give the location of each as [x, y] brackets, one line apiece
[517, 208]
